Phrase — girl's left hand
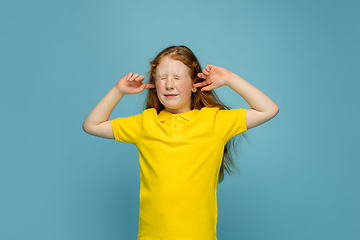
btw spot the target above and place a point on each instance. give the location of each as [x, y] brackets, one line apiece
[214, 76]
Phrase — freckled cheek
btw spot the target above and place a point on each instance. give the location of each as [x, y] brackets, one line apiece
[183, 86]
[159, 87]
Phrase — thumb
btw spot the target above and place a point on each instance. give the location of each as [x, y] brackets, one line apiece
[201, 75]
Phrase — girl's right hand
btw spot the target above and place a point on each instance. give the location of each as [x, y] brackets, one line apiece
[132, 84]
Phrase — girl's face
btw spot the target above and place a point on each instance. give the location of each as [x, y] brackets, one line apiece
[174, 85]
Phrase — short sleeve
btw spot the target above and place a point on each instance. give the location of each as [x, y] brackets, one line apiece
[231, 122]
[127, 129]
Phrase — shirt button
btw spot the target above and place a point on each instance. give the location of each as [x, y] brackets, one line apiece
[175, 126]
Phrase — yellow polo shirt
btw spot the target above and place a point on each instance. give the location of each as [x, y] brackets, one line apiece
[180, 157]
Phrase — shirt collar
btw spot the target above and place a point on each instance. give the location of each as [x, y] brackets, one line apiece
[164, 115]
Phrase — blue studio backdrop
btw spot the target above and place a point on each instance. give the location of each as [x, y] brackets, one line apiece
[299, 171]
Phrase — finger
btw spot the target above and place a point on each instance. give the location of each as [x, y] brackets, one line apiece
[200, 84]
[128, 76]
[149, 85]
[201, 75]
[197, 85]
[133, 77]
[140, 78]
[205, 72]
[209, 67]
[207, 88]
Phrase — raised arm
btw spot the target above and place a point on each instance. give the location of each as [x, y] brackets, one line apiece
[262, 107]
[97, 122]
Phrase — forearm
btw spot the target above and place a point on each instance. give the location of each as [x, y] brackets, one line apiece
[103, 109]
[253, 96]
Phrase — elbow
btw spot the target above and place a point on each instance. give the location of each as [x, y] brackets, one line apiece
[85, 127]
[275, 111]
[272, 112]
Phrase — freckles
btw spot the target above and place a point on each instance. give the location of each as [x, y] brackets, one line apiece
[184, 84]
[159, 86]
[180, 86]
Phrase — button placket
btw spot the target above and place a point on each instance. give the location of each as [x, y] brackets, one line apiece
[176, 127]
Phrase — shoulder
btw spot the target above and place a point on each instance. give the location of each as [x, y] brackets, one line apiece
[225, 115]
[215, 113]
[218, 111]
[135, 119]
[146, 112]
[150, 111]
[236, 113]
[209, 110]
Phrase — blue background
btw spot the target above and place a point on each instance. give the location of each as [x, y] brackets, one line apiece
[299, 172]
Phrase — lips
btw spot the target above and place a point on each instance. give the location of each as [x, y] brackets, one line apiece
[170, 95]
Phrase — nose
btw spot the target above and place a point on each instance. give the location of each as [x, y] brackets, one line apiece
[169, 84]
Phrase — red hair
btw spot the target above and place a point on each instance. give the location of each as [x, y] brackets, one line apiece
[199, 99]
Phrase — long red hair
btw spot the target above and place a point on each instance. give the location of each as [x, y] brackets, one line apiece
[199, 99]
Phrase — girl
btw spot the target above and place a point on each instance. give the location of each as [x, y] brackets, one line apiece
[182, 138]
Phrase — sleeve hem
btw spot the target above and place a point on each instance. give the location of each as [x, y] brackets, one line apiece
[244, 120]
[114, 131]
